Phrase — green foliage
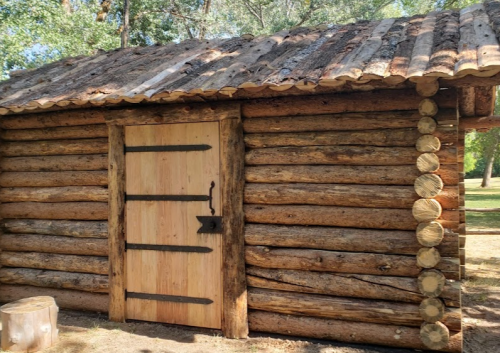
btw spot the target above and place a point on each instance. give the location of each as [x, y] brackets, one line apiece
[478, 146]
[36, 32]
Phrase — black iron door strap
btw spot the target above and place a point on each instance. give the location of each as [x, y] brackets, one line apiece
[168, 298]
[167, 148]
[170, 248]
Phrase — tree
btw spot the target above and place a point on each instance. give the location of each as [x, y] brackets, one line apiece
[33, 33]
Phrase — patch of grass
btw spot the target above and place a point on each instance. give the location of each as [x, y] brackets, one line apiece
[477, 197]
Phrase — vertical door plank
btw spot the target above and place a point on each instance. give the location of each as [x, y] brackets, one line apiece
[235, 322]
[174, 223]
[116, 221]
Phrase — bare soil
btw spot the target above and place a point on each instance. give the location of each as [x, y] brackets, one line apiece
[92, 333]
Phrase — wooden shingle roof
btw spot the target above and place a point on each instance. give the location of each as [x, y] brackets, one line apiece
[445, 45]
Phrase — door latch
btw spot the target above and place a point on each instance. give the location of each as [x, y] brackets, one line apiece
[210, 224]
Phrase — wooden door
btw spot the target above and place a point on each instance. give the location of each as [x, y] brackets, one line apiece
[173, 273]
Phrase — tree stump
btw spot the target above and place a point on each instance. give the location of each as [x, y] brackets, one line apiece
[29, 325]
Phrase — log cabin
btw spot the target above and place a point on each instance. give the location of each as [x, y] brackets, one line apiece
[307, 183]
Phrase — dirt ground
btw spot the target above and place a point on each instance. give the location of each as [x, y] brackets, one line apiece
[91, 333]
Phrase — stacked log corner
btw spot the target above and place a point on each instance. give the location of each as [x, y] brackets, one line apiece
[335, 196]
[430, 233]
[53, 195]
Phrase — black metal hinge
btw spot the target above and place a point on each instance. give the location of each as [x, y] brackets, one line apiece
[171, 248]
[167, 148]
[168, 298]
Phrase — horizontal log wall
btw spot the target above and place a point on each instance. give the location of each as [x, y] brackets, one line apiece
[54, 206]
[329, 207]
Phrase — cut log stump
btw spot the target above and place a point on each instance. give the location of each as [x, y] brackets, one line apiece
[29, 324]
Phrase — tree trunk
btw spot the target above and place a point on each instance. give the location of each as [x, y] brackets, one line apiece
[490, 159]
[126, 16]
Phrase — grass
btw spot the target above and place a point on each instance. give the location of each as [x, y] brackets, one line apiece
[477, 197]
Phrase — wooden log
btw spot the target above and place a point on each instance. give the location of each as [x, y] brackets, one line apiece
[116, 222]
[428, 257]
[56, 133]
[400, 289]
[235, 322]
[47, 179]
[426, 210]
[346, 155]
[54, 279]
[55, 194]
[54, 244]
[340, 103]
[29, 325]
[173, 113]
[427, 88]
[429, 186]
[53, 119]
[435, 336]
[427, 125]
[383, 138]
[428, 107]
[466, 102]
[70, 263]
[483, 123]
[430, 233]
[341, 122]
[322, 174]
[79, 229]
[58, 147]
[431, 283]
[428, 143]
[462, 253]
[344, 239]
[340, 308]
[463, 272]
[67, 299]
[55, 163]
[371, 218]
[347, 195]
[91, 211]
[462, 239]
[432, 310]
[485, 100]
[341, 262]
[345, 331]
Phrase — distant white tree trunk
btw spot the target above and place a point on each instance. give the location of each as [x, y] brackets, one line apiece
[66, 5]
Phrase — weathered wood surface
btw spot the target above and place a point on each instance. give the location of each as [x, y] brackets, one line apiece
[55, 163]
[58, 147]
[54, 279]
[116, 222]
[432, 310]
[346, 194]
[63, 210]
[482, 210]
[435, 336]
[340, 308]
[235, 321]
[47, 179]
[428, 107]
[483, 123]
[347, 155]
[427, 125]
[342, 262]
[70, 263]
[428, 163]
[54, 244]
[55, 194]
[400, 289]
[323, 174]
[67, 299]
[428, 257]
[430, 186]
[431, 234]
[80, 229]
[341, 122]
[54, 119]
[485, 100]
[29, 325]
[344, 239]
[331, 104]
[56, 133]
[384, 138]
[170, 114]
[345, 331]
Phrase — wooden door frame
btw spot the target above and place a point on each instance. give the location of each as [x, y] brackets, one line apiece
[232, 165]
